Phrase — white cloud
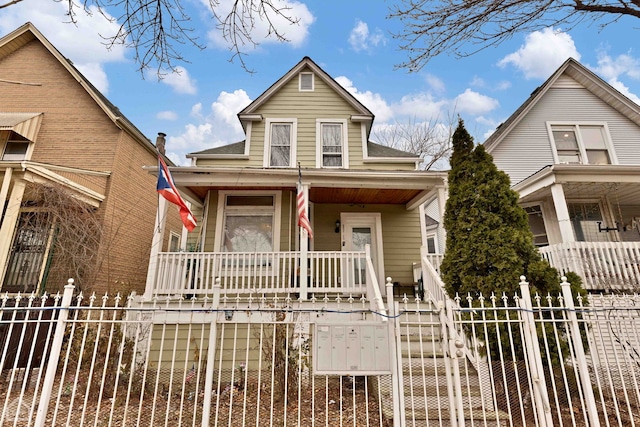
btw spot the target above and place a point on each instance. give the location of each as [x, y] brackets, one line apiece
[295, 33]
[435, 83]
[81, 43]
[219, 127]
[167, 115]
[612, 69]
[421, 106]
[180, 81]
[373, 101]
[361, 39]
[542, 53]
[474, 103]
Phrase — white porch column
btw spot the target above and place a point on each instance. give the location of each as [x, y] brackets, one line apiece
[443, 193]
[9, 223]
[304, 249]
[4, 191]
[562, 212]
[156, 246]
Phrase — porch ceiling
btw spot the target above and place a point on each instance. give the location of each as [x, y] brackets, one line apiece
[621, 184]
[325, 186]
[335, 195]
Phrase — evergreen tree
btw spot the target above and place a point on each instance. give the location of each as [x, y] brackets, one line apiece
[489, 243]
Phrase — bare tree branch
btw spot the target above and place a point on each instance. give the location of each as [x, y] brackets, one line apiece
[464, 27]
[9, 3]
[430, 140]
[157, 30]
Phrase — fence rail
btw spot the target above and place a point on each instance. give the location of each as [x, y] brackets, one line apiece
[236, 360]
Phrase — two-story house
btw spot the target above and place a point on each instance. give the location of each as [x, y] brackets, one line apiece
[59, 134]
[572, 151]
[364, 200]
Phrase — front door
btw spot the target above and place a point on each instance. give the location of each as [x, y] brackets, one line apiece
[359, 230]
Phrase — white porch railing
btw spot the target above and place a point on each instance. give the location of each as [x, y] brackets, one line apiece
[194, 273]
[602, 265]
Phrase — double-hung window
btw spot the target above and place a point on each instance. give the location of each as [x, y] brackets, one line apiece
[280, 143]
[582, 143]
[332, 143]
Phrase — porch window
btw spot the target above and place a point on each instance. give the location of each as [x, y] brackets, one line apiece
[248, 223]
[581, 144]
[332, 143]
[280, 143]
[15, 150]
[536, 224]
[584, 219]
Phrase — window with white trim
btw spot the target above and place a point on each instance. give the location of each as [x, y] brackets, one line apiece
[15, 148]
[174, 242]
[280, 143]
[306, 82]
[332, 146]
[582, 144]
[249, 222]
[536, 224]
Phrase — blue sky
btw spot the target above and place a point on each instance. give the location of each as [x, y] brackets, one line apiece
[352, 41]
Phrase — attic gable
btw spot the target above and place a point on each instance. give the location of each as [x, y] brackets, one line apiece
[305, 71]
[28, 33]
[571, 74]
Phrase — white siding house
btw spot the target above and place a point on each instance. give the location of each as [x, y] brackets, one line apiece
[572, 151]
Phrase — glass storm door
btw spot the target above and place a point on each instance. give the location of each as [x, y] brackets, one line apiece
[358, 231]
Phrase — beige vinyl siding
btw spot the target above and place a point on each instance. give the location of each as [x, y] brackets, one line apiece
[321, 103]
[182, 347]
[527, 148]
[400, 234]
[212, 216]
[402, 241]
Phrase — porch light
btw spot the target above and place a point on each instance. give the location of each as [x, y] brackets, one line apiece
[337, 226]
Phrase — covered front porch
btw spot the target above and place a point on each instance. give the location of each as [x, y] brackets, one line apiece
[366, 226]
[586, 219]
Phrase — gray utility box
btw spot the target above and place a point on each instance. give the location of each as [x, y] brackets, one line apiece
[359, 348]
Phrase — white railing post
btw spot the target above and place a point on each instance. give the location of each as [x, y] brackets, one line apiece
[453, 352]
[211, 356]
[534, 357]
[56, 347]
[583, 369]
[395, 352]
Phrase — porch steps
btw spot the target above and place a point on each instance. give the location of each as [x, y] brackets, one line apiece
[425, 381]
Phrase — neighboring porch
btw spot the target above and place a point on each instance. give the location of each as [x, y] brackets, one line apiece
[586, 219]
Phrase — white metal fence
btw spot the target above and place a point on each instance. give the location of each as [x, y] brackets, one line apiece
[240, 360]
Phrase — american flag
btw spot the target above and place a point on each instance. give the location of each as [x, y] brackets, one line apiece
[303, 220]
[167, 188]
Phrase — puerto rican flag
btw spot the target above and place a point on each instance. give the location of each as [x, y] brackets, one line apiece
[167, 189]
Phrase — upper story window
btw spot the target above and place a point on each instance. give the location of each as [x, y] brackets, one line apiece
[15, 148]
[280, 137]
[332, 143]
[582, 144]
[306, 82]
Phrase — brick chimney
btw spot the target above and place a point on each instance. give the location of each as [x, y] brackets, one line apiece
[160, 142]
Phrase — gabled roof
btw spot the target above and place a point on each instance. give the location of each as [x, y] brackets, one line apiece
[306, 62]
[583, 76]
[236, 148]
[27, 33]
